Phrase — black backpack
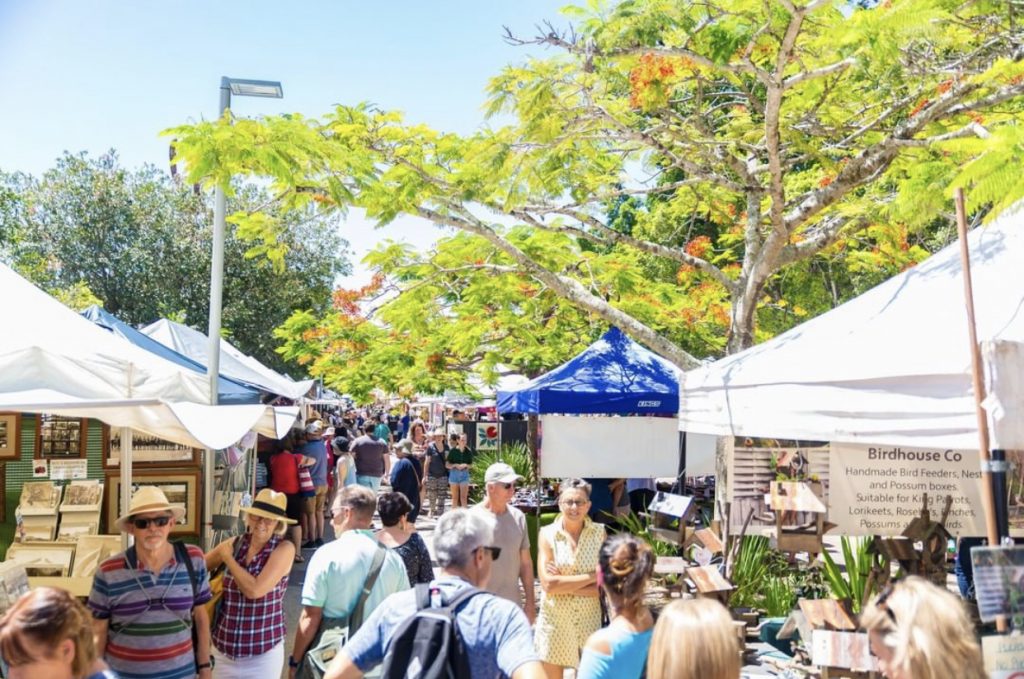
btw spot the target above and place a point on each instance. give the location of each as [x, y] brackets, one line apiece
[428, 645]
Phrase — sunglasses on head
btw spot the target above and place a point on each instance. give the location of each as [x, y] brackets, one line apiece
[143, 524]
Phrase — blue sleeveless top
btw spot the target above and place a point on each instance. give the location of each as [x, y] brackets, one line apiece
[627, 659]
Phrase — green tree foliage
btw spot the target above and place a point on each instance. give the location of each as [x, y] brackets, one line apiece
[702, 175]
[90, 230]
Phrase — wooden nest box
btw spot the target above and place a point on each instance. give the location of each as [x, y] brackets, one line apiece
[670, 515]
[708, 582]
[930, 540]
[828, 629]
[788, 498]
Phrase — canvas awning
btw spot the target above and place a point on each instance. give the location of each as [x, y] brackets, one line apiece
[892, 366]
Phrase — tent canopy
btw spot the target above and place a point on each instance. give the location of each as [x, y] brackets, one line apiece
[613, 376]
[229, 391]
[58, 362]
[892, 366]
[233, 363]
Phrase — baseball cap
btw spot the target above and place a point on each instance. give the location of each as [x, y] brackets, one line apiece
[499, 472]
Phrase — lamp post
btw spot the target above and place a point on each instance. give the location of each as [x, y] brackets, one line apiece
[243, 88]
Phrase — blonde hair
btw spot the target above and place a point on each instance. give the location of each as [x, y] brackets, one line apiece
[927, 630]
[694, 639]
[47, 616]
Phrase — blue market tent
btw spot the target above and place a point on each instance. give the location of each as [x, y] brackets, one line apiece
[613, 376]
[229, 391]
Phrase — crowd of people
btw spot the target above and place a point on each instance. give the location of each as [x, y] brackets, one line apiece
[367, 591]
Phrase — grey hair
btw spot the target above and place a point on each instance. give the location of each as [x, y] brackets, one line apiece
[575, 484]
[459, 533]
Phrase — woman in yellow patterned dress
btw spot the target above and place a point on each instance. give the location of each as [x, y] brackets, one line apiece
[570, 610]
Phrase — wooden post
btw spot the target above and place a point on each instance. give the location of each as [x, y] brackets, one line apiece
[531, 442]
[987, 498]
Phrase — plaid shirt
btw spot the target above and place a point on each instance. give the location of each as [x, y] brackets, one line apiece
[247, 627]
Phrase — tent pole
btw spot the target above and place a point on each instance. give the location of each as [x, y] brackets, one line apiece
[531, 441]
[126, 481]
[987, 490]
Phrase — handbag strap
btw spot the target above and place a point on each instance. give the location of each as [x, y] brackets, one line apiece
[356, 618]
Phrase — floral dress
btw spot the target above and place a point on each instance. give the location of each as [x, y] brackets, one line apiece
[565, 621]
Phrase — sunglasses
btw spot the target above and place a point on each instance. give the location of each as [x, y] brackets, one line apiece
[507, 486]
[574, 503]
[143, 524]
[494, 551]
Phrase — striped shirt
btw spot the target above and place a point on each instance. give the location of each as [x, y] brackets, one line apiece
[150, 615]
[246, 627]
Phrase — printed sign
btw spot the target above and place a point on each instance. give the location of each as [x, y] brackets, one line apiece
[878, 490]
[999, 582]
[1004, 656]
[68, 469]
[487, 435]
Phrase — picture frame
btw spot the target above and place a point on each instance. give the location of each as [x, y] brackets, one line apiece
[43, 559]
[147, 451]
[91, 551]
[180, 486]
[60, 438]
[10, 436]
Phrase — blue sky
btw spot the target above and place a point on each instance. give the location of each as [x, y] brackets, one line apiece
[98, 74]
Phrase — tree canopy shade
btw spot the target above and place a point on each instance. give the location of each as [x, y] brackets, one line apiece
[723, 144]
[134, 241]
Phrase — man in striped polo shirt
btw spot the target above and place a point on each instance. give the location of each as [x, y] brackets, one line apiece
[144, 601]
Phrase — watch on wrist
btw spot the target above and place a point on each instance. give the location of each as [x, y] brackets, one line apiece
[292, 662]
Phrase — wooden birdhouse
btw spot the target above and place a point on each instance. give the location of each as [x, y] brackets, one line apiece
[708, 582]
[930, 540]
[788, 500]
[670, 515]
[828, 629]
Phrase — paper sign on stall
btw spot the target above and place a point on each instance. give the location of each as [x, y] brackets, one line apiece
[877, 490]
[69, 469]
[1004, 656]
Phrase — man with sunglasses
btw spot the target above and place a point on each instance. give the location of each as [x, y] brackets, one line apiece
[511, 536]
[494, 632]
[145, 600]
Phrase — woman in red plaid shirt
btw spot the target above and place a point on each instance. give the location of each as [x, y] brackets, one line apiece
[248, 632]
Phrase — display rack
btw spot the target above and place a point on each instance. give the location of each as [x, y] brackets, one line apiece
[38, 510]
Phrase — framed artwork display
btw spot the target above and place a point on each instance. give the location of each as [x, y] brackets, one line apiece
[181, 488]
[60, 437]
[148, 451]
[43, 560]
[10, 436]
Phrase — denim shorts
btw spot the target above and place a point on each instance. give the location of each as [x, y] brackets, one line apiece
[458, 477]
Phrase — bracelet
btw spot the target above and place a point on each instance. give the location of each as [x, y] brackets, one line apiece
[292, 662]
[204, 666]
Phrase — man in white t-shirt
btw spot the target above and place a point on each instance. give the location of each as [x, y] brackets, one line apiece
[511, 535]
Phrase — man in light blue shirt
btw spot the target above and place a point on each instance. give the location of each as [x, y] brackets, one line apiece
[338, 570]
[495, 631]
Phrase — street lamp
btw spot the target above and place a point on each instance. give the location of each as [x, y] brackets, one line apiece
[243, 88]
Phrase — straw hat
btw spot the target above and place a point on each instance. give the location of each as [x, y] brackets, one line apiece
[270, 505]
[437, 431]
[148, 499]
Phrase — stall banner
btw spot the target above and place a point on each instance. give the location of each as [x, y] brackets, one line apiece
[877, 489]
[609, 447]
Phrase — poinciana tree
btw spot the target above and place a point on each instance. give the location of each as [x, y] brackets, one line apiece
[748, 139]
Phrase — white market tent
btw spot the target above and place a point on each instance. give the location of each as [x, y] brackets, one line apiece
[233, 363]
[892, 366]
[54, 361]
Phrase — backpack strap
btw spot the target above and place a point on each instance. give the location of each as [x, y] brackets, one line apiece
[356, 617]
[462, 597]
[422, 595]
[181, 554]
